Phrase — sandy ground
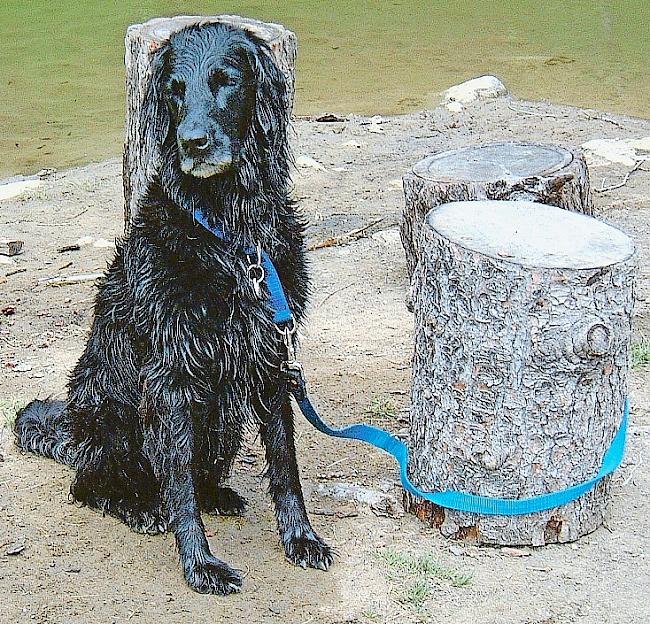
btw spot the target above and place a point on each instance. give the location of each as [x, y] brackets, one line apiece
[77, 567]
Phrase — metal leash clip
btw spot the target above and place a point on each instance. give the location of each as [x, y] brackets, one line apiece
[256, 272]
[291, 367]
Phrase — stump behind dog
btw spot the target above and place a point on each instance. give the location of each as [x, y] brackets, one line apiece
[507, 171]
[142, 40]
[523, 320]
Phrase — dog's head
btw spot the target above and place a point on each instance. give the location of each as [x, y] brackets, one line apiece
[217, 103]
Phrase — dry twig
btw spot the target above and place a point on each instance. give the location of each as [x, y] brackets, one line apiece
[612, 187]
[530, 112]
[348, 237]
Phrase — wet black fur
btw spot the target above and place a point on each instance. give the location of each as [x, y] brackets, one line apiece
[183, 356]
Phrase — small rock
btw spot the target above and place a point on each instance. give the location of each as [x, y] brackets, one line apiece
[73, 570]
[467, 92]
[23, 367]
[307, 162]
[102, 243]
[374, 120]
[8, 310]
[622, 151]
[388, 237]
[388, 507]
[329, 117]
[459, 551]
[11, 246]
[44, 173]
[515, 552]
[14, 189]
[15, 548]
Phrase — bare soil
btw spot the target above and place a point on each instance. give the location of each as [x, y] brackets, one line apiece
[77, 567]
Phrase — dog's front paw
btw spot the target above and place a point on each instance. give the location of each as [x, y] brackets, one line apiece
[213, 577]
[307, 549]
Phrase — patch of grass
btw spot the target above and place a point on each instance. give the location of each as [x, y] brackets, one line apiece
[8, 409]
[416, 594]
[433, 568]
[425, 566]
[641, 352]
[370, 615]
[415, 574]
[381, 408]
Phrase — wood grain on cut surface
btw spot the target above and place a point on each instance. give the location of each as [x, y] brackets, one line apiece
[546, 174]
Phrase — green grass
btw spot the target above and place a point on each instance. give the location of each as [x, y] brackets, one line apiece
[381, 408]
[415, 575]
[640, 352]
[424, 565]
[417, 593]
[370, 615]
[8, 409]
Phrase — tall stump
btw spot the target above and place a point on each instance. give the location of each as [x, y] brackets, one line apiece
[507, 171]
[141, 150]
[523, 320]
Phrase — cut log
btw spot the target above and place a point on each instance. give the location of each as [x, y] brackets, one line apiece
[522, 330]
[141, 150]
[506, 171]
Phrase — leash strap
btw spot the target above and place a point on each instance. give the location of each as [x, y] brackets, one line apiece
[263, 270]
[462, 501]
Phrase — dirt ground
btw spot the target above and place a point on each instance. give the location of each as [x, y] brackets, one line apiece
[77, 567]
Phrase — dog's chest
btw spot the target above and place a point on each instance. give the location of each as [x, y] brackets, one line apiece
[220, 328]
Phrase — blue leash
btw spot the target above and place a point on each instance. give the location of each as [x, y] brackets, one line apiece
[263, 270]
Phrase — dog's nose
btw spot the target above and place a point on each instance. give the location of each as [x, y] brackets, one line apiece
[196, 141]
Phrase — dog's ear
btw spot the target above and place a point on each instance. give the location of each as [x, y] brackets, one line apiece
[155, 120]
[265, 153]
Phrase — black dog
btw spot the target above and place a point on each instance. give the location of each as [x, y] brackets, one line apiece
[183, 354]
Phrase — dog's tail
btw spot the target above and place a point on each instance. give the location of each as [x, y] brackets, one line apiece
[40, 429]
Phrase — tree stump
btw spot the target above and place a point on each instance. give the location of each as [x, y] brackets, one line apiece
[507, 171]
[141, 151]
[522, 329]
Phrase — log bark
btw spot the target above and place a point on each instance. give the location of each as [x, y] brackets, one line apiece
[522, 330]
[506, 171]
[142, 40]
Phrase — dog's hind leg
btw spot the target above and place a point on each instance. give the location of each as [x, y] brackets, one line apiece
[169, 445]
[220, 500]
[113, 475]
[301, 543]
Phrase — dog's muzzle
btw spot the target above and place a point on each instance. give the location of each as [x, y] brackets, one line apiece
[201, 154]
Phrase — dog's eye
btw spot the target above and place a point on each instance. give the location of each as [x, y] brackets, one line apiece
[220, 79]
[176, 88]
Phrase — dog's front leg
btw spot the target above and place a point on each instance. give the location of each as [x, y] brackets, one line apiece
[301, 543]
[169, 445]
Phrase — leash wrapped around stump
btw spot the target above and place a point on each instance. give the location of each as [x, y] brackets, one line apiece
[522, 330]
